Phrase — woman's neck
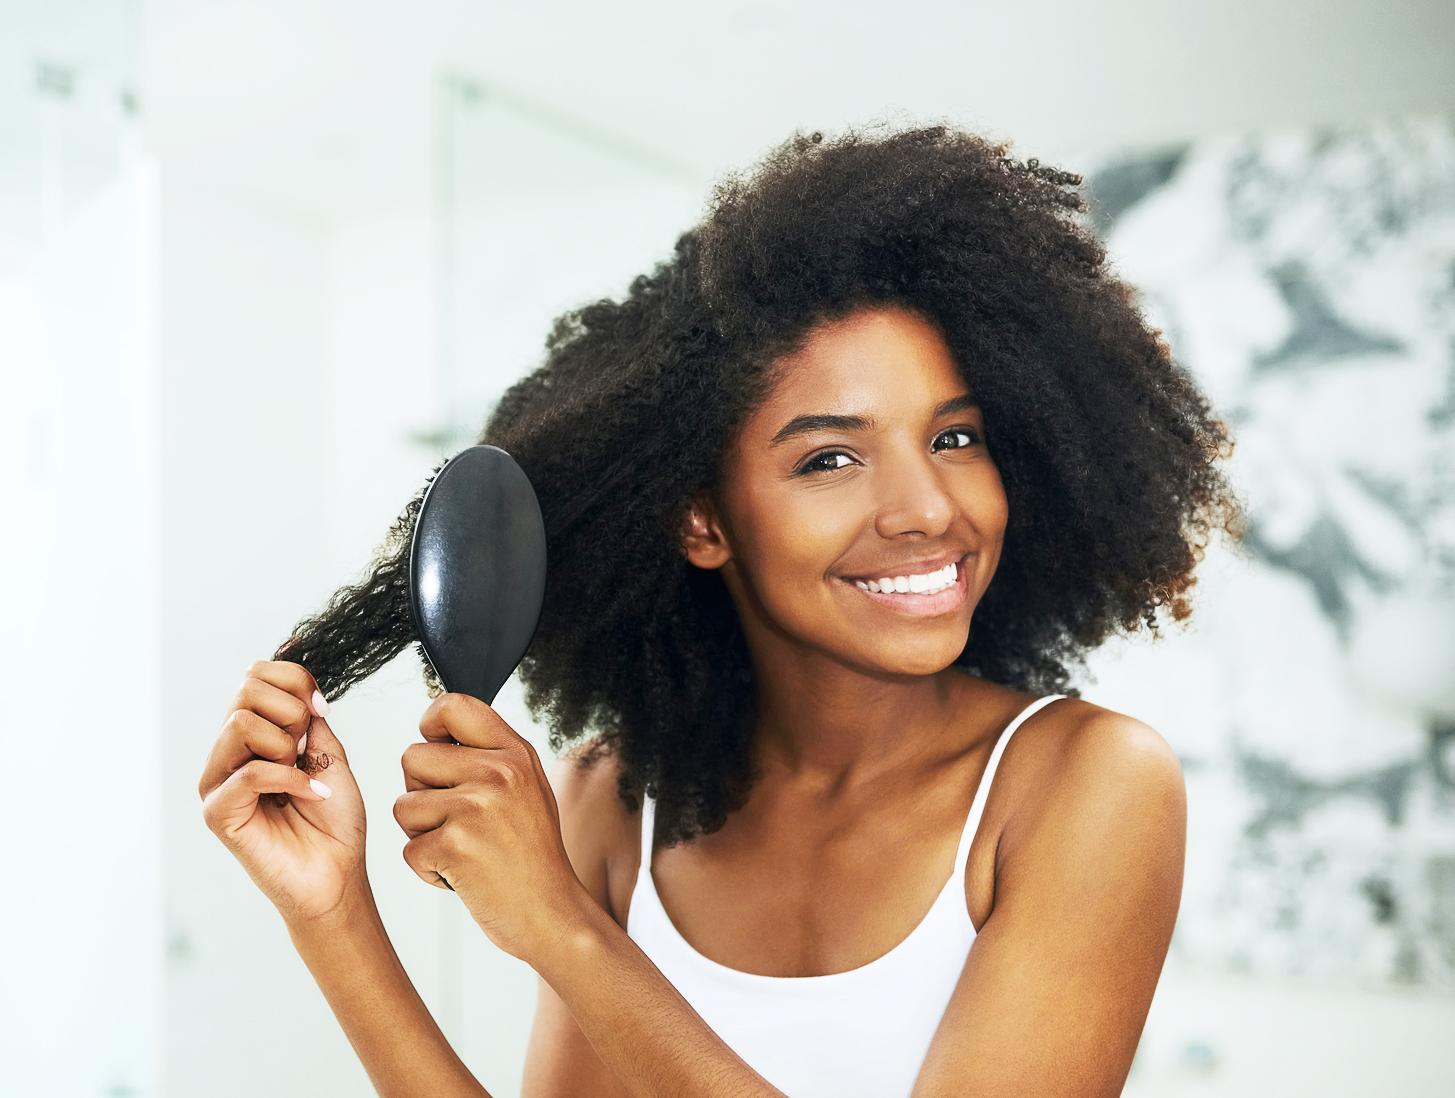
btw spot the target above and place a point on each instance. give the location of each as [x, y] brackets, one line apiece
[832, 735]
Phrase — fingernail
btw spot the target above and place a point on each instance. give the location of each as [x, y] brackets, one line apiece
[302, 742]
[319, 788]
[320, 704]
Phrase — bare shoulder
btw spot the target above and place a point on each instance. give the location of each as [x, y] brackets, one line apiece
[1086, 897]
[1114, 757]
[595, 825]
[1091, 759]
[1100, 740]
[1076, 731]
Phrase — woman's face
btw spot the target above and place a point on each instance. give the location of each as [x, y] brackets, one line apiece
[810, 501]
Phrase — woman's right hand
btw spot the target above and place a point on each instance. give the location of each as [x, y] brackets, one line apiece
[304, 850]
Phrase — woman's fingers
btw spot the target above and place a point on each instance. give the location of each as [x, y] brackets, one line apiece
[276, 706]
[266, 722]
[290, 679]
[233, 803]
[267, 719]
[245, 736]
[422, 810]
[296, 680]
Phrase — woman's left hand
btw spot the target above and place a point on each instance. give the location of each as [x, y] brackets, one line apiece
[482, 820]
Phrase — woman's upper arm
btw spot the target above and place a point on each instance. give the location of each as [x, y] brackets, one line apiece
[559, 1060]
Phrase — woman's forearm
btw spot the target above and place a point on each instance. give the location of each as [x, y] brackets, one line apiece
[390, 1028]
[638, 1023]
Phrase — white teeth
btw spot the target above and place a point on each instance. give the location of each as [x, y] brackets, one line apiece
[926, 584]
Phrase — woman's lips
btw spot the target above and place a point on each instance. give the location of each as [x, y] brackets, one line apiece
[923, 567]
[922, 606]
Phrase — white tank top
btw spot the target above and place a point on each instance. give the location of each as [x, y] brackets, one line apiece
[864, 1031]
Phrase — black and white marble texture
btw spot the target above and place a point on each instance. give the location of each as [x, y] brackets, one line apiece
[1308, 279]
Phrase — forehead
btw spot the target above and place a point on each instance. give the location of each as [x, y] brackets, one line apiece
[875, 357]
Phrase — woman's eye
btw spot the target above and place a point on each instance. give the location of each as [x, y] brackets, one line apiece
[970, 432]
[812, 465]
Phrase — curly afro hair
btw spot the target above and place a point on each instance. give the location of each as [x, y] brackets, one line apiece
[1105, 445]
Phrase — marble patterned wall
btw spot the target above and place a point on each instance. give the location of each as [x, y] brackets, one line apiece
[1308, 279]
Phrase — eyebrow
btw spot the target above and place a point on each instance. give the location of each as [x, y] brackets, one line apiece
[825, 421]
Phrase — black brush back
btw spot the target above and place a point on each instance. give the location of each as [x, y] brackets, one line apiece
[477, 570]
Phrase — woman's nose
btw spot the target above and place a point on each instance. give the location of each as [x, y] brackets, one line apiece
[914, 497]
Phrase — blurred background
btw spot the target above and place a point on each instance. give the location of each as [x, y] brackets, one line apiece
[263, 265]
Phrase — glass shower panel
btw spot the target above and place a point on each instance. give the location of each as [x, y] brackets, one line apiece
[538, 210]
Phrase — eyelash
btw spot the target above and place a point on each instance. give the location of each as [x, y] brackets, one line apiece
[806, 470]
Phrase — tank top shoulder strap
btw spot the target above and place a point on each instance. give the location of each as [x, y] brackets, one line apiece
[982, 792]
[649, 815]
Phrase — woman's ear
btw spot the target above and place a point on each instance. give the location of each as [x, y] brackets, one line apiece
[703, 542]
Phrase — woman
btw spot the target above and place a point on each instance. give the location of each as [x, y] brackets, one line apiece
[827, 838]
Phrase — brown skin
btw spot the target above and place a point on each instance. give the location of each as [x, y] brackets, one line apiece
[850, 691]
[872, 747]
[802, 903]
[837, 916]
[1073, 885]
[1074, 876]
[860, 711]
[306, 853]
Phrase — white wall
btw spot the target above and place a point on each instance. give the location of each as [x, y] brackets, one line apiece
[243, 346]
[84, 680]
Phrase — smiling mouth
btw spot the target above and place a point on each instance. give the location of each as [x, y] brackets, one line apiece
[958, 576]
[942, 601]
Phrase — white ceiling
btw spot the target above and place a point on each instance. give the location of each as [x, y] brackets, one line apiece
[328, 106]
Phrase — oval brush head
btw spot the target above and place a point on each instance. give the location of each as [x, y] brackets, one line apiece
[477, 570]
